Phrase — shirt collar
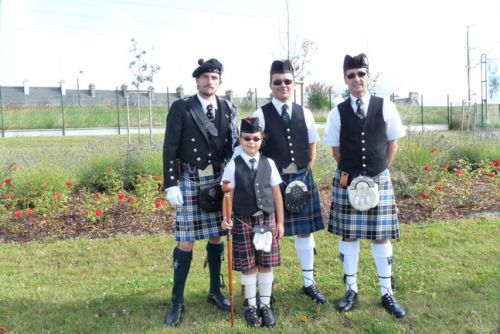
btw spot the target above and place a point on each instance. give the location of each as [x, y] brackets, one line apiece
[205, 103]
[247, 158]
[278, 105]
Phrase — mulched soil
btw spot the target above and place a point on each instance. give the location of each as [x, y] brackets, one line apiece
[121, 219]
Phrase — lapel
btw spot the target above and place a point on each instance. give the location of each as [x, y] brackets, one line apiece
[224, 113]
[201, 119]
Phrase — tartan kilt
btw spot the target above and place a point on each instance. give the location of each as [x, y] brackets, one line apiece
[378, 223]
[311, 218]
[191, 222]
[245, 257]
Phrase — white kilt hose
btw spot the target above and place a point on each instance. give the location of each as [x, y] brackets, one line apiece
[245, 256]
[191, 222]
[378, 223]
[311, 218]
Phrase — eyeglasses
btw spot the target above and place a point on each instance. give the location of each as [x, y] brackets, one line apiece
[248, 138]
[360, 74]
[279, 82]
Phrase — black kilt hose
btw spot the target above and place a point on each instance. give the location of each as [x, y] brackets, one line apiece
[191, 222]
[245, 257]
[311, 218]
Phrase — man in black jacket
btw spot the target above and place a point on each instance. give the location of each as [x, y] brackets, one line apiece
[199, 139]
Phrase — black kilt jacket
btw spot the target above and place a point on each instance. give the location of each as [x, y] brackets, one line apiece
[188, 141]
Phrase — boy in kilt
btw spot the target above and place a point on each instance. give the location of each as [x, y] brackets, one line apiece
[291, 137]
[199, 139]
[363, 132]
[258, 213]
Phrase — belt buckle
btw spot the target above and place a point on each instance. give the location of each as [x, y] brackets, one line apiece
[290, 169]
[208, 171]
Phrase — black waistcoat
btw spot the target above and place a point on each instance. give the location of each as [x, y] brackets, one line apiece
[363, 143]
[286, 143]
[252, 194]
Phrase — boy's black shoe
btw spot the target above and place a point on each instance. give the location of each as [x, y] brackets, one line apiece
[312, 291]
[174, 315]
[348, 302]
[251, 316]
[267, 315]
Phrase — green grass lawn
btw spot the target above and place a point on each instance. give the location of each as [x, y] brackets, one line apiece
[447, 277]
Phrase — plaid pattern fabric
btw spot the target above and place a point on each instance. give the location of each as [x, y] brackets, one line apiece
[378, 223]
[310, 219]
[245, 257]
[191, 222]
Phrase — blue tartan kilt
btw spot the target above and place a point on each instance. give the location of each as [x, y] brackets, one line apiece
[378, 223]
[245, 256]
[311, 218]
[191, 222]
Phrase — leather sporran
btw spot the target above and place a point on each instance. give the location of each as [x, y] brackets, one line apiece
[210, 198]
[296, 196]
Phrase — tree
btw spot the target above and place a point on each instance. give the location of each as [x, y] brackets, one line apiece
[319, 96]
[141, 73]
[298, 56]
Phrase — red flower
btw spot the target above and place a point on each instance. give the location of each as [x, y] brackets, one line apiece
[8, 196]
[157, 177]
[131, 200]
[56, 196]
[18, 214]
[424, 196]
[434, 149]
[24, 198]
[98, 212]
[121, 196]
[427, 167]
[496, 162]
[29, 212]
[7, 181]
[158, 204]
[110, 169]
[459, 171]
[69, 184]
[97, 195]
[491, 174]
[445, 166]
[439, 188]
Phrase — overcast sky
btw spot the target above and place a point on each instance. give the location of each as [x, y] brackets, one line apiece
[414, 45]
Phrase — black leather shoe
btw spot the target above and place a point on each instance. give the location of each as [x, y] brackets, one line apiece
[392, 306]
[218, 300]
[267, 315]
[312, 291]
[251, 316]
[174, 315]
[348, 301]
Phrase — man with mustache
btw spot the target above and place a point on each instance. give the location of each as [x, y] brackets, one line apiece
[199, 140]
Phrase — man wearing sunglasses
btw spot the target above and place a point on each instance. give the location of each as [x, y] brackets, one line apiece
[363, 132]
[199, 139]
[290, 140]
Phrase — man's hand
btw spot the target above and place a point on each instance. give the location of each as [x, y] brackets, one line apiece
[281, 231]
[174, 196]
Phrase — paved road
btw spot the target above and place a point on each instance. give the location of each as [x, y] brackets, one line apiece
[146, 131]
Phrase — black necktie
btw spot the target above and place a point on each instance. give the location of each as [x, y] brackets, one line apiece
[252, 162]
[360, 111]
[284, 114]
[210, 112]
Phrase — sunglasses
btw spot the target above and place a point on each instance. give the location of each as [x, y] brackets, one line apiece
[360, 74]
[248, 138]
[279, 82]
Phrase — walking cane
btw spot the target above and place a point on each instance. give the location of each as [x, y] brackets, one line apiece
[226, 188]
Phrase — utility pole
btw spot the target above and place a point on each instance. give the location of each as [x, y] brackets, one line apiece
[468, 64]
